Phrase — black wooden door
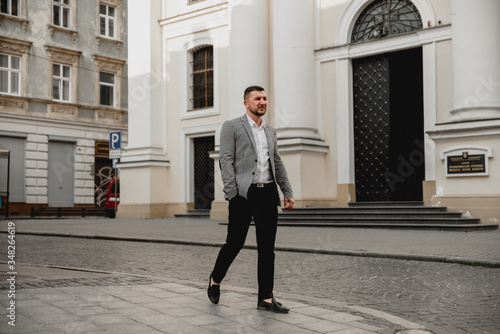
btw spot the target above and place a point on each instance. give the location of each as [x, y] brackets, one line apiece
[388, 127]
[104, 173]
[203, 173]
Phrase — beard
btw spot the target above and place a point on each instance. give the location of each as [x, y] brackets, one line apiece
[258, 112]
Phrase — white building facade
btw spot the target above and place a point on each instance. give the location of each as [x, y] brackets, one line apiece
[372, 100]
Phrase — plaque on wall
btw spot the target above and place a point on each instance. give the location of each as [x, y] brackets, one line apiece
[466, 163]
[470, 160]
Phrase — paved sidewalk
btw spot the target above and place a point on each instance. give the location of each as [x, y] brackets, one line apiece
[158, 305]
[477, 248]
[173, 307]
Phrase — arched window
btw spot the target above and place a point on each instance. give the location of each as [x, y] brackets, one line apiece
[386, 18]
[202, 74]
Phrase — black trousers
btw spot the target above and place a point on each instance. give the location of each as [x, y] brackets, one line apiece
[261, 205]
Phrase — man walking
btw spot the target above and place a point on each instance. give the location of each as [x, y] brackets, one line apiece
[251, 168]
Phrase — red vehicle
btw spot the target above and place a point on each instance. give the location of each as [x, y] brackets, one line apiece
[112, 197]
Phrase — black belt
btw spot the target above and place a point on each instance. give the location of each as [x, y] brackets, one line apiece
[262, 185]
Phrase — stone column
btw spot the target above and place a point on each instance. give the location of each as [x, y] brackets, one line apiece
[143, 165]
[248, 50]
[294, 69]
[293, 99]
[248, 66]
[476, 60]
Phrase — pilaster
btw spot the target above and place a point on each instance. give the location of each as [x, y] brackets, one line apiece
[84, 178]
[36, 169]
[249, 51]
[476, 60]
[293, 68]
[144, 161]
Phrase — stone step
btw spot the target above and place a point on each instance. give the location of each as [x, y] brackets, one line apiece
[398, 208]
[69, 212]
[401, 215]
[378, 220]
[313, 215]
[385, 203]
[431, 227]
[198, 213]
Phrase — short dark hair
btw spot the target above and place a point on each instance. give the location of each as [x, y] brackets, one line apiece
[252, 89]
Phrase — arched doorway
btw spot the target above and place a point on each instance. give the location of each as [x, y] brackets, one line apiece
[388, 108]
[388, 127]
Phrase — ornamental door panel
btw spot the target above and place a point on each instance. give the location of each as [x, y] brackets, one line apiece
[203, 172]
[371, 128]
[388, 127]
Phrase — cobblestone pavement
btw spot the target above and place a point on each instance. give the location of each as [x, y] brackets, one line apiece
[445, 298]
[436, 244]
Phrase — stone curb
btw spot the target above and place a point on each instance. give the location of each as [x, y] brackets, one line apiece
[397, 256]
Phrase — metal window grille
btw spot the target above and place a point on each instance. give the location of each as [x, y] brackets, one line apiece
[385, 18]
[202, 78]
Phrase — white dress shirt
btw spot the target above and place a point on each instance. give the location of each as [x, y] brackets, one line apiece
[263, 172]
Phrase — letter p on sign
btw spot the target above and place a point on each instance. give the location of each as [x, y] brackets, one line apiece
[115, 140]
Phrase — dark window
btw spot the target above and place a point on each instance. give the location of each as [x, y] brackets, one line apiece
[107, 21]
[106, 88]
[203, 75]
[61, 82]
[10, 7]
[10, 74]
[386, 18]
[62, 13]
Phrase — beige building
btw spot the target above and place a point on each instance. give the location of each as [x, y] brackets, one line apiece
[373, 100]
[63, 88]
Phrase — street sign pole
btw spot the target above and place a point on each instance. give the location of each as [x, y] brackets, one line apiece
[115, 152]
[114, 185]
[115, 161]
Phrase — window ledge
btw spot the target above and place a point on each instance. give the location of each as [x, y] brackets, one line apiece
[65, 30]
[202, 112]
[109, 108]
[15, 18]
[101, 39]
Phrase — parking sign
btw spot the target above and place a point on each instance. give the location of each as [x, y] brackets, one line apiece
[115, 140]
[115, 144]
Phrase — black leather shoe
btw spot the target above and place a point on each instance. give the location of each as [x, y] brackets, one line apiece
[275, 306]
[213, 291]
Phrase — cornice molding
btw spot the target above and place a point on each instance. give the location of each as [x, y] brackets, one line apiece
[110, 64]
[387, 44]
[13, 45]
[63, 55]
[465, 130]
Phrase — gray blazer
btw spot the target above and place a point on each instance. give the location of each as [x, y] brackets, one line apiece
[238, 158]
